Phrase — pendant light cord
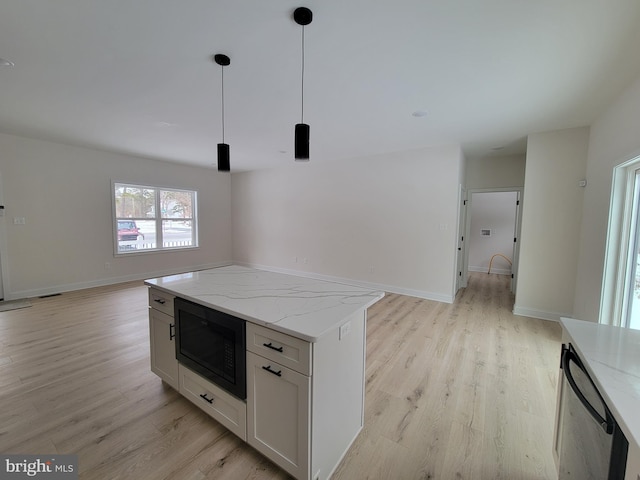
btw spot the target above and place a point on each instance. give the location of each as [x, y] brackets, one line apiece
[302, 90]
[223, 104]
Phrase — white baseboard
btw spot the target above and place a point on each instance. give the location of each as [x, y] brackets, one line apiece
[358, 283]
[541, 314]
[497, 271]
[70, 287]
[53, 290]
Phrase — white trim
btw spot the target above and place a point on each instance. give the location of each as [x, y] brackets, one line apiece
[4, 252]
[158, 219]
[437, 297]
[541, 314]
[614, 281]
[70, 287]
[461, 271]
[161, 273]
[498, 271]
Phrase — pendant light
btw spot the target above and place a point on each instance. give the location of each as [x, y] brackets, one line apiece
[224, 165]
[302, 16]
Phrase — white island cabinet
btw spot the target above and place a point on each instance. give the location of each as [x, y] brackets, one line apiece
[278, 397]
[305, 361]
[162, 337]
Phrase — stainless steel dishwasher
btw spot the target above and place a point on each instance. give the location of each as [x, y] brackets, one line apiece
[591, 444]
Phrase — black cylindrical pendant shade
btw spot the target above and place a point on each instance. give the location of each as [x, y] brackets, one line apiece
[224, 165]
[302, 141]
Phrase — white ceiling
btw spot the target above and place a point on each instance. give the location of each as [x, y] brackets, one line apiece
[136, 76]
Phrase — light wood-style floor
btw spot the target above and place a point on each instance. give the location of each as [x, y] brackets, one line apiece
[460, 391]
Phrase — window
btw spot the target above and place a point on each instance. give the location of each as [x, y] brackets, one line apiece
[631, 308]
[152, 218]
[621, 285]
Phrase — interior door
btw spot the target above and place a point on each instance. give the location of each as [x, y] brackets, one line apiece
[516, 245]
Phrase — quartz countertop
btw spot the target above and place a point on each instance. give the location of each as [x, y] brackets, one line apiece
[612, 357]
[299, 306]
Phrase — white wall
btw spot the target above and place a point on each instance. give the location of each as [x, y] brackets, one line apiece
[495, 172]
[551, 219]
[64, 193]
[495, 211]
[614, 139]
[388, 220]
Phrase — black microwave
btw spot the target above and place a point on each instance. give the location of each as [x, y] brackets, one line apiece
[212, 343]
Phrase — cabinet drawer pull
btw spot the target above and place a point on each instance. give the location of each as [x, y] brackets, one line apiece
[204, 396]
[270, 345]
[161, 301]
[268, 369]
[172, 331]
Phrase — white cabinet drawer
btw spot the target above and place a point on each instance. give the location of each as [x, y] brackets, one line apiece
[223, 407]
[286, 350]
[161, 301]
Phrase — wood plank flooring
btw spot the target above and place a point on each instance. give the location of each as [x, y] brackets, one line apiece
[459, 391]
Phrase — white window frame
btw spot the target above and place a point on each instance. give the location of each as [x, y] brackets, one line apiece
[624, 221]
[158, 219]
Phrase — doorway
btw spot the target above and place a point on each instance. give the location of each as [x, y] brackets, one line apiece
[490, 242]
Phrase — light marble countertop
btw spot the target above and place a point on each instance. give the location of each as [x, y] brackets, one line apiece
[612, 357]
[299, 306]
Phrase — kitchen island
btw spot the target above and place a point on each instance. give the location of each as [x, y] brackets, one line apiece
[305, 360]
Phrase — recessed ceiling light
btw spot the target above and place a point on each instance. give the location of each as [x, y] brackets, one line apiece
[6, 63]
[419, 113]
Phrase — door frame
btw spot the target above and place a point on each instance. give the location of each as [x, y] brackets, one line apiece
[4, 279]
[461, 266]
[466, 204]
